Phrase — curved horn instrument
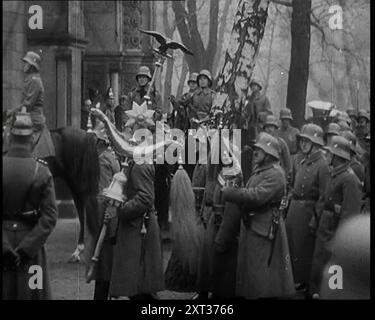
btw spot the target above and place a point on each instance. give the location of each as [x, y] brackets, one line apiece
[122, 145]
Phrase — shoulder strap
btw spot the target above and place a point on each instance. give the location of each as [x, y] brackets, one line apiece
[31, 185]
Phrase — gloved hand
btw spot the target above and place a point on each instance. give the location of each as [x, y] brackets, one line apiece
[23, 258]
[109, 213]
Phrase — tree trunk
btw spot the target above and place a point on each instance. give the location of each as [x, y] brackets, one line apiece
[299, 60]
[246, 36]
[181, 84]
[220, 41]
[169, 71]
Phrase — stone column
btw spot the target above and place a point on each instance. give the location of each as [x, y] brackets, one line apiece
[62, 85]
[115, 86]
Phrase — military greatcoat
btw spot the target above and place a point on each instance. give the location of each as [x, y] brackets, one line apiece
[261, 196]
[137, 262]
[307, 202]
[95, 216]
[342, 199]
[27, 185]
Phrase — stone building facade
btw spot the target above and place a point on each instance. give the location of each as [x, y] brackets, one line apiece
[83, 45]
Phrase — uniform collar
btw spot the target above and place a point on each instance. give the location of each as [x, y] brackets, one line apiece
[30, 75]
[313, 157]
[258, 169]
[340, 169]
[19, 152]
[205, 91]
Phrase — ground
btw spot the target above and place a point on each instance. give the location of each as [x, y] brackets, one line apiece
[67, 279]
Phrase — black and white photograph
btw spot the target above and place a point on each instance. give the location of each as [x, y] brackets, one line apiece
[209, 151]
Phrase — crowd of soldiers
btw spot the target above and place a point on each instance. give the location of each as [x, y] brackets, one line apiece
[281, 220]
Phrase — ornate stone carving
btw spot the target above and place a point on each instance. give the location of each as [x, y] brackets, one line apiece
[132, 20]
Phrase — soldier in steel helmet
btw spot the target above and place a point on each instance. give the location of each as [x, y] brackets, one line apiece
[353, 117]
[270, 126]
[287, 132]
[341, 200]
[257, 107]
[263, 269]
[363, 127]
[96, 205]
[333, 129]
[29, 214]
[32, 100]
[306, 204]
[355, 164]
[202, 98]
[179, 117]
[137, 94]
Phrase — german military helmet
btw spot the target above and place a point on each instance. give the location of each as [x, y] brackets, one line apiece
[144, 71]
[22, 125]
[344, 126]
[286, 114]
[193, 77]
[312, 132]
[268, 144]
[256, 82]
[33, 59]
[333, 129]
[364, 114]
[205, 73]
[270, 121]
[339, 147]
[351, 112]
[348, 135]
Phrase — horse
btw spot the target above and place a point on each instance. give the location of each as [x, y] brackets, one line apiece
[77, 163]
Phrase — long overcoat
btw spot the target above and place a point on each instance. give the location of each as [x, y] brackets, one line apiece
[308, 190]
[217, 268]
[24, 177]
[342, 199]
[95, 215]
[256, 278]
[137, 262]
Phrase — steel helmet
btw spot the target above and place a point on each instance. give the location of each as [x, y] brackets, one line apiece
[33, 59]
[312, 132]
[268, 144]
[193, 77]
[286, 114]
[351, 112]
[363, 114]
[207, 74]
[344, 126]
[348, 135]
[339, 147]
[271, 121]
[144, 71]
[257, 82]
[22, 125]
[333, 128]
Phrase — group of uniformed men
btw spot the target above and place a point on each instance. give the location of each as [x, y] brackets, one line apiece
[325, 175]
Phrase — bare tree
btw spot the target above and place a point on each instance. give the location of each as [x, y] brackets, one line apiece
[247, 33]
[169, 30]
[299, 61]
[187, 24]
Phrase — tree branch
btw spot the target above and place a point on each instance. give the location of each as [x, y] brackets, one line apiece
[212, 41]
